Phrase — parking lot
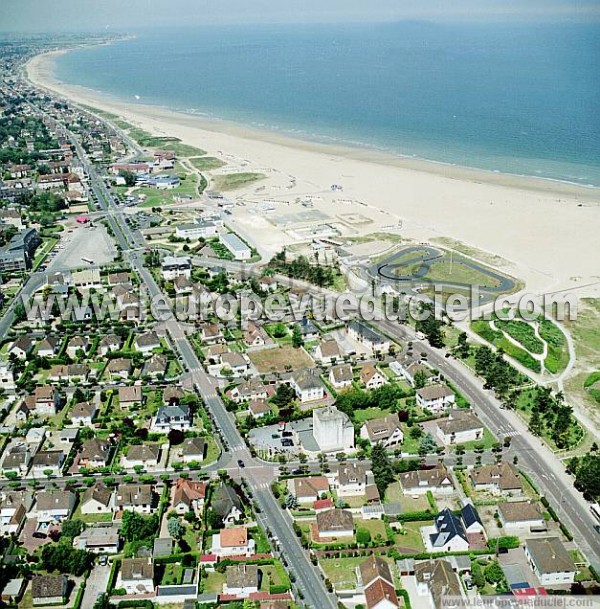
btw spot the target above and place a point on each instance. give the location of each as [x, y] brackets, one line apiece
[83, 242]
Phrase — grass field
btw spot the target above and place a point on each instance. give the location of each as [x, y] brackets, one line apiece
[523, 333]
[558, 354]
[206, 163]
[341, 572]
[280, 359]
[232, 181]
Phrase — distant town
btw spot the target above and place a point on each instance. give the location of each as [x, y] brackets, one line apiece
[298, 463]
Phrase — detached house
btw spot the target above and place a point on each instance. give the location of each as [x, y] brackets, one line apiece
[435, 398]
[449, 534]
[54, 506]
[136, 576]
[172, 417]
[462, 425]
[334, 524]
[498, 478]
[94, 453]
[375, 583]
[193, 449]
[307, 385]
[328, 352]
[368, 337]
[134, 497]
[47, 463]
[49, 346]
[385, 430]
[242, 580]
[119, 368]
[247, 391]
[227, 504]
[517, 515]
[143, 456]
[83, 414]
[352, 479]
[109, 343]
[46, 401]
[147, 342]
[77, 344]
[97, 499]
[308, 490]
[233, 542]
[341, 376]
[188, 496]
[130, 397]
[550, 561]
[371, 378]
[436, 480]
[49, 589]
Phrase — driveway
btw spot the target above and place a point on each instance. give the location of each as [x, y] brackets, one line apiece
[95, 585]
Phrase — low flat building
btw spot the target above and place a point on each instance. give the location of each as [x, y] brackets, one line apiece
[236, 246]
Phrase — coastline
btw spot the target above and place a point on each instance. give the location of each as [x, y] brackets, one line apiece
[420, 193]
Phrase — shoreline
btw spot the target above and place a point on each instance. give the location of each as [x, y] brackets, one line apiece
[358, 152]
[543, 228]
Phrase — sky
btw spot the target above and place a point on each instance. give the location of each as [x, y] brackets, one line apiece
[126, 15]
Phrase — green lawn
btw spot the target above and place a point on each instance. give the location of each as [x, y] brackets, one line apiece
[214, 582]
[173, 575]
[523, 333]
[233, 181]
[206, 163]
[410, 536]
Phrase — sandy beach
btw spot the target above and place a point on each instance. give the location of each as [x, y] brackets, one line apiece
[545, 231]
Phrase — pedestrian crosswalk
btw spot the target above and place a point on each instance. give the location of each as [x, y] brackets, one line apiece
[510, 433]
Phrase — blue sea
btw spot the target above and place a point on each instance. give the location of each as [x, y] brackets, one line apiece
[515, 98]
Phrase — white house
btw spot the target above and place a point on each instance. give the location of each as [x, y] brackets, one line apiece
[335, 523]
[234, 541]
[517, 515]
[385, 430]
[461, 426]
[550, 561]
[352, 479]
[307, 385]
[7, 378]
[435, 398]
[341, 376]
[328, 352]
[145, 456]
[242, 580]
[54, 506]
[371, 378]
[97, 499]
[176, 266]
[136, 576]
[448, 534]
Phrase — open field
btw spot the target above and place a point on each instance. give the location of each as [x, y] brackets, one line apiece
[233, 181]
[206, 163]
[280, 359]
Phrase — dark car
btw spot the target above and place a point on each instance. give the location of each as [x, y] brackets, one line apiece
[241, 463]
[39, 535]
[287, 442]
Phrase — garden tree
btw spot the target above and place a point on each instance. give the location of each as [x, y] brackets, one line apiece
[382, 469]
[63, 558]
[102, 602]
[535, 422]
[176, 437]
[129, 176]
[431, 326]
[72, 528]
[284, 397]
[363, 537]
[213, 520]
[587, 475]
[291, 501]
[477, 574]
[427, 445]
[420, 379]
[462, 346]
[493, 573]
[415, 432]
[483, 359]
[301, 268]
[136, 527]
[562, 426]
[175, 528]
[297, 340]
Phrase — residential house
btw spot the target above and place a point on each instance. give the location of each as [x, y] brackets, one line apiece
[247, 391]
[448, 535]
[182, 285]
[119, 368]
[176, 266]
[462, 425]
[236, 362]
[14, 506]
[436, 480]
[156, 366]
[328, 352]
[242, 580]
[436, 580]
[76, 345]
[98, 540]
[136, 576]
[371, 378]
[233, 541]
[178, 416]
[83, 414]
[375, 583]
[256, 336]
[145, 456]
[341, 376]
[497, 478]
[307, 385]
[54, 506]
[470, 519]
[22, 347]
[173, 395]
[147, 342]
[49, 346]
[94, 453]
[517, 515]
[97, 499]
[308, 329]
[109, 344]
[192, 450]
[130, 397]
[385, 430]
[259, 409]
[550, 561]
[363, 334]
[135, 498]
[188, 496]
[435, 398]
[47, 400]
[211, 333]
[226, 503]
[308, 490]
[334, 524]
[412, 369]
[47, 463]
[17, 458]
[49, 590]
[68, 373]
[7, 377]
[352, 479]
